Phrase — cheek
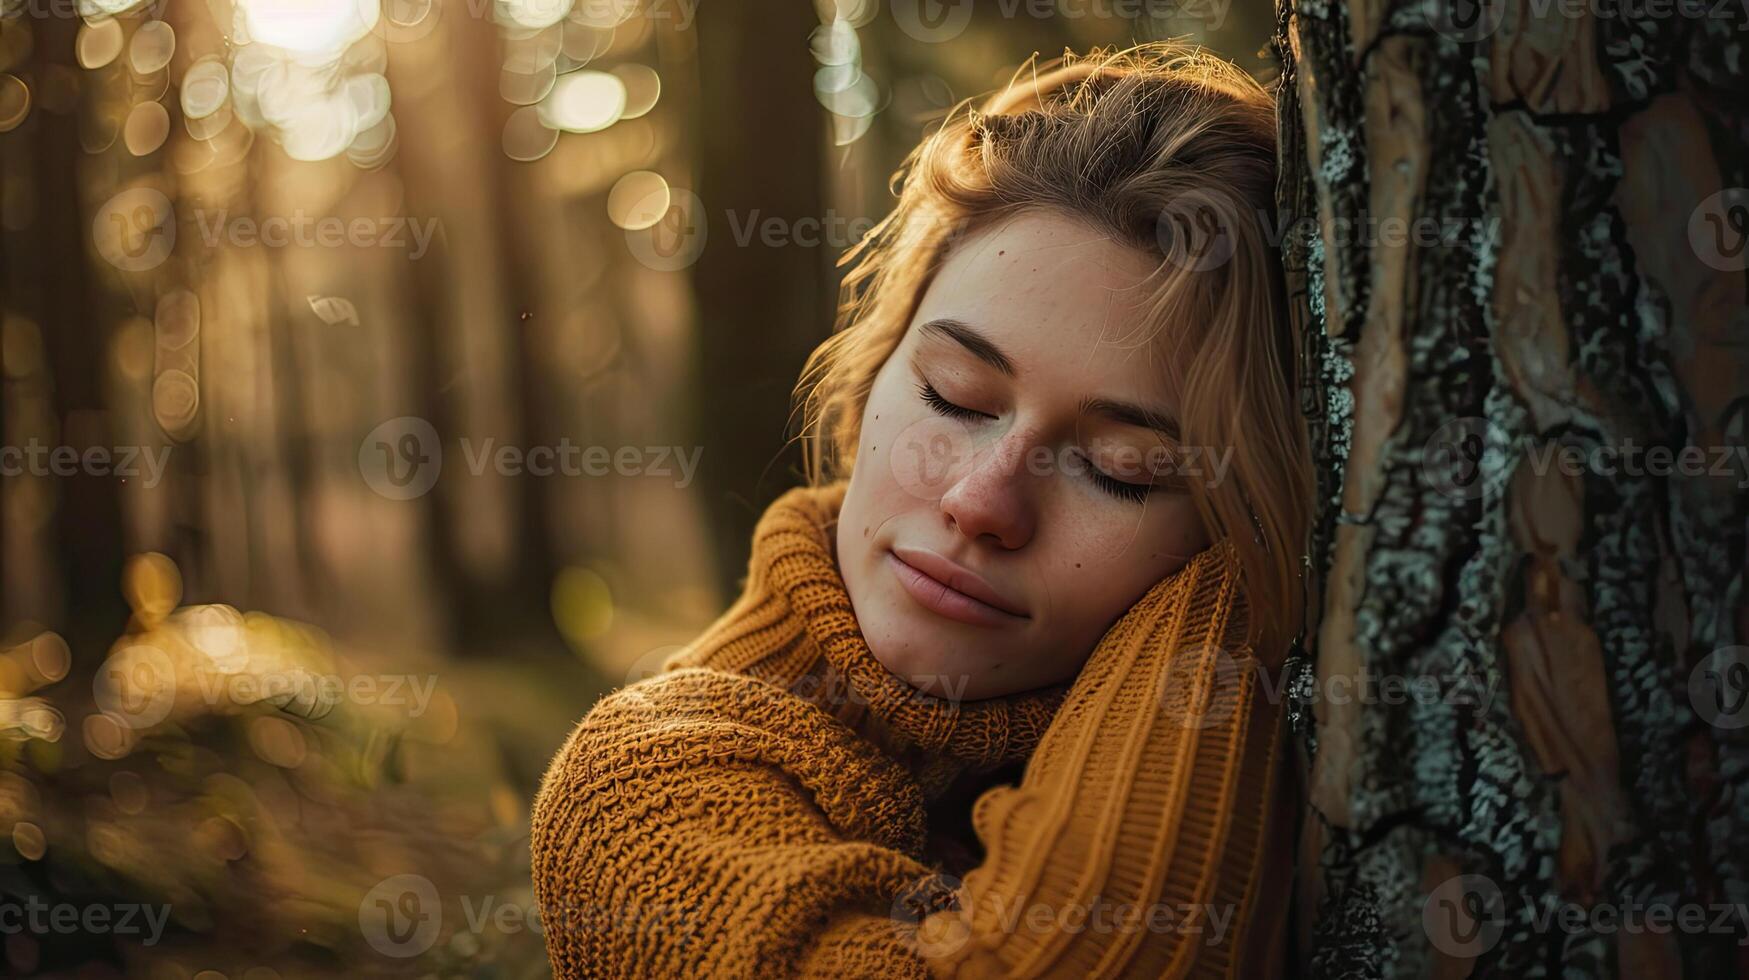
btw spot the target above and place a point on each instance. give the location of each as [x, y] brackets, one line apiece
[905, 452]
[1107, 561]
[878, 493]
[1127, 542]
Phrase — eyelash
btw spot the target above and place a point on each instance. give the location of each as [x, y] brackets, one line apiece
[934, 400]
[1135, 493]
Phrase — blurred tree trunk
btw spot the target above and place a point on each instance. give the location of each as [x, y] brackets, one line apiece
[63, 546]
[1571, 190]
[761, 144]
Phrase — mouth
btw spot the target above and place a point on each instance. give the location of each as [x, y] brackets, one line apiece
[952, 591]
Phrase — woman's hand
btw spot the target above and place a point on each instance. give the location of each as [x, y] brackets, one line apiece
[1133, 844]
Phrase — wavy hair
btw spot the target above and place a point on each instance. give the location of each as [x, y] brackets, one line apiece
[1172, 151]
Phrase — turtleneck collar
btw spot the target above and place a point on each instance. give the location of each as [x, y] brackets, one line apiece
[794, 626]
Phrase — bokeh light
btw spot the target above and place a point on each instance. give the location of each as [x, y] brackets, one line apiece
[584, 101]
[302, 224]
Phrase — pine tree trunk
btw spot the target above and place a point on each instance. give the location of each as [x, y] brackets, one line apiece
[1515, 239]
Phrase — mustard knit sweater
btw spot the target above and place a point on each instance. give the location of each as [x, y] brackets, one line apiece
[776, 803]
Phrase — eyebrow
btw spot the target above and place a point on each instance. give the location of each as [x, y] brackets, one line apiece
[981, 347]
[1131, 414]
[973, 341]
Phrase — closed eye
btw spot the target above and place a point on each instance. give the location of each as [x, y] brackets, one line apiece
[933, 399]
[1135, 493]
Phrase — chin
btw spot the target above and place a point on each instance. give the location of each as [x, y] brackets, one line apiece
[922, 662]
[910, 660]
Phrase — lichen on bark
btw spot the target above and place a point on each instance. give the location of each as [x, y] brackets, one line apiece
[1571, 313]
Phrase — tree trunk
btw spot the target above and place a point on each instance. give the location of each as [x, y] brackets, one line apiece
[1516, 248]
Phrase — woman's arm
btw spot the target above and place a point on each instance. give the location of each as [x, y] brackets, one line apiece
[1144, 818]
[703, 823]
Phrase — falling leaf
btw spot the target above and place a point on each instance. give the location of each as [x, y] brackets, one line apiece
[334, 309]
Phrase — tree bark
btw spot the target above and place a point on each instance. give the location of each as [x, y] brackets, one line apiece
[1516, 251]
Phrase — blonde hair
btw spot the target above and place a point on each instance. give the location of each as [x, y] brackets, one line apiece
[1132, 142]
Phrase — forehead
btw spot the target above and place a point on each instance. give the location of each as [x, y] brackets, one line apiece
[1065, 301]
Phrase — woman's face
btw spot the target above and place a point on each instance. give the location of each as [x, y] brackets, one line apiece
[1011, 497]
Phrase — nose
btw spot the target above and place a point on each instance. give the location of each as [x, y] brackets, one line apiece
[991, 499]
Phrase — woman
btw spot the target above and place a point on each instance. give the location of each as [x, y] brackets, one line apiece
[993, 701]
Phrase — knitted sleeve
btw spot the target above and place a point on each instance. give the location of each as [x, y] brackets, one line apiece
[1135, 843]
[707, 824]
[702, 823]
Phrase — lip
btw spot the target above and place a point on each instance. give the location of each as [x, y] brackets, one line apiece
[951, 589]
